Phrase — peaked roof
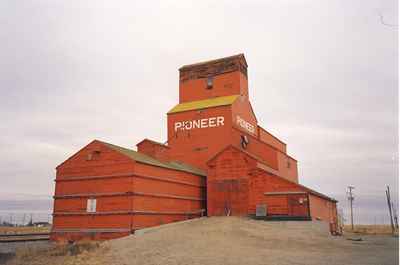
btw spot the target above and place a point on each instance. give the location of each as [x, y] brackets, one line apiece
[154, 142]
[274, 172]
[142, 158]
[204, 104]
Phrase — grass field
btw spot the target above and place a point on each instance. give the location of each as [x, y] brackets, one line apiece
[369, 229]
[23, 230]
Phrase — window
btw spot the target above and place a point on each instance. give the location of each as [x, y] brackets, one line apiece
[94, 155]
[210, 81]
[91, 206]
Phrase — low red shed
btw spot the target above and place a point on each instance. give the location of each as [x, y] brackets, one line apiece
[106, 191]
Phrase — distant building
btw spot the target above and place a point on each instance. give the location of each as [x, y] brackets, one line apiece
[217, 161]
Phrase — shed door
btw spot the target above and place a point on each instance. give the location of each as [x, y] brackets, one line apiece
[298, 205]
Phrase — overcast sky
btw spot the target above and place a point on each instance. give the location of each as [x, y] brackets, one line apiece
[323, 76]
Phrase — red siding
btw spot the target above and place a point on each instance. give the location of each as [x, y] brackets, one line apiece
[132, 195]
[153, 149]
[260, 149]
[322, 209]
[129, 195]
[262, 182]
[233, 82]
[268, 138]
[195, 146]
[227, 183]
[236, 186]
[287, 167]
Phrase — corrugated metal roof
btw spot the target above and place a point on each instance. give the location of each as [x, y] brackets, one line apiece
[203, 104]
[140, 157]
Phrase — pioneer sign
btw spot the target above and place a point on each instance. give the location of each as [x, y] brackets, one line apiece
[199, 124]
[246, 125]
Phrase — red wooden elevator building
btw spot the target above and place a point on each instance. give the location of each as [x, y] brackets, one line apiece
[216, 161]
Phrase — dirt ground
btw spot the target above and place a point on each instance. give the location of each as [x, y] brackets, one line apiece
[226, 240]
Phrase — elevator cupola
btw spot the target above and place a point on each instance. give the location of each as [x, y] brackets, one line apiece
[222, 77]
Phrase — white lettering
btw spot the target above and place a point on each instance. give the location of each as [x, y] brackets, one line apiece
[199, 124]
[204, 123]
[220, 121]
[212, 122]
[196, 124]
[188, 125]
[178, 125]
[245, 125]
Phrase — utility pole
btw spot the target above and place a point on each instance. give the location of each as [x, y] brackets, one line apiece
[396, 221]
[351, 199]
[390, 207]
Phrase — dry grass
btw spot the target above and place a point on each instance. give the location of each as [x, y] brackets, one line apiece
[369, 229]
[79, 254]
[23, 230]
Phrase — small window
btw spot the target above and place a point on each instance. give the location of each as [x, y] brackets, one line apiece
[91, 205]
[210, 81]
[93, 155]
[288, 164]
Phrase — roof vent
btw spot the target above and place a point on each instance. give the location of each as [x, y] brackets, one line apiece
[93, 155]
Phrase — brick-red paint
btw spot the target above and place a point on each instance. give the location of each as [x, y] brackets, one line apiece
[132, 195]
[129, 195]
[236, 185]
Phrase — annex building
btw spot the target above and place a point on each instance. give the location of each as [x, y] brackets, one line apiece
[216, 161]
